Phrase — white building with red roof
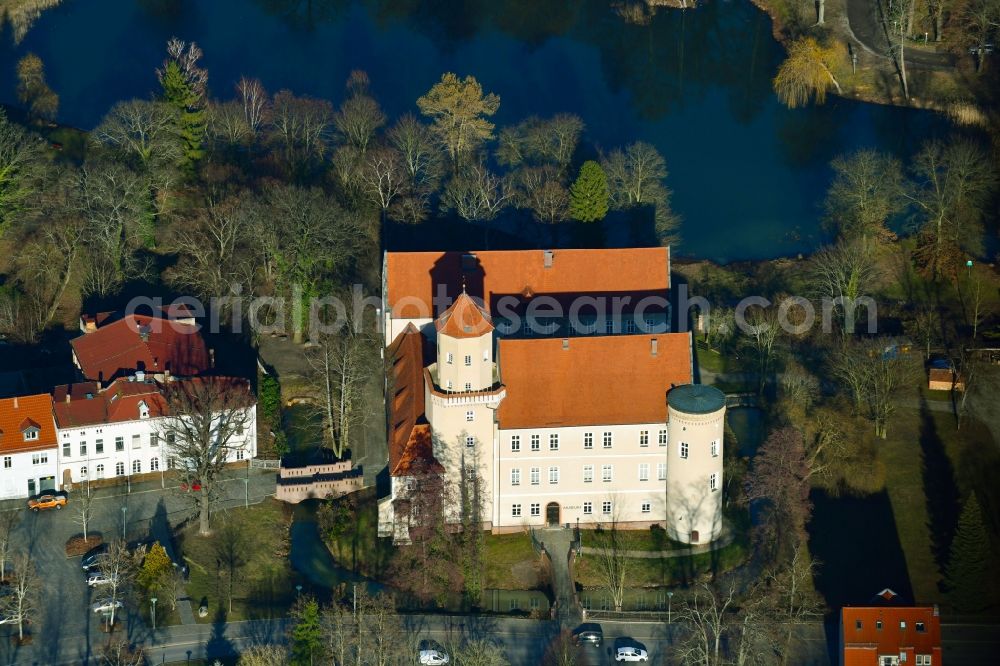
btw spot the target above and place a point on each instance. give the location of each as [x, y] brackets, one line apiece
[27, 446]
[553, 376]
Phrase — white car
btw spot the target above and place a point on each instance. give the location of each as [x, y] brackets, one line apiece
[630, 651]
[433, 658]
[106, 606]
[96, 579]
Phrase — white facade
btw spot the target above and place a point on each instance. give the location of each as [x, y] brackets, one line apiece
[25, 473]
[127, 448]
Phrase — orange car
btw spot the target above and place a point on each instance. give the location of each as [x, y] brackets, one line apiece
[47, 501]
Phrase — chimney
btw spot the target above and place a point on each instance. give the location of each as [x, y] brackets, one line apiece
[548, 256]
[652, 346]
[69, 397]
[565, 343]
[15, 402]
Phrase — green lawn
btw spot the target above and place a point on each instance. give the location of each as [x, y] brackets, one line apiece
[713, 361]
[659, 572]
[264, 586]
[511, 562]
[637, 539]
[930, 469]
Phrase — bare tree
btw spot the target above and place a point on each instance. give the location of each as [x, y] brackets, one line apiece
[9, 521]
[384, 177]
[614, 562]
[300, 127]
[120, 566]
[458, 109]
[119, 653]
[761, 330]
[874, 372]
[704, 616]
[20, 164]
[381, 638]
[866, 191]
[359, 116]
[843, 275]
[636, 177]
[230, 552]
[793, 600]
[897, 22]
[255, 103]
[206, 423]
[780, 480]
[480, 652]
[561, 650]
[84, 506]
[227, 124]
[22, 598]
[142, 132]
[420, 154]
[476, 194]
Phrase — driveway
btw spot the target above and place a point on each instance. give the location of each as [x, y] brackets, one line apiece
[866, 23]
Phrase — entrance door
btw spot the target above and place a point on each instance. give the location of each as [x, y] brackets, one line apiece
[31, 487]
[552, 513]
[694, 536]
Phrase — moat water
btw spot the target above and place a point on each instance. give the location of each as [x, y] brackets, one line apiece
[747, 174]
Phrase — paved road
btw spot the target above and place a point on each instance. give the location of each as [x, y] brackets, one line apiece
[866, 24]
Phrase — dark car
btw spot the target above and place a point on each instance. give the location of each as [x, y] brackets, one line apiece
[589, 633]
[93, 556]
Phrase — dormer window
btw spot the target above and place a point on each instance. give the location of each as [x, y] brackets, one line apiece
[143, 410]
[30, 434]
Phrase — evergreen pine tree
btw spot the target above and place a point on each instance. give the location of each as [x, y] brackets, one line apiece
[307, 634]
[178, 92]
[589, 194]
[969, 574]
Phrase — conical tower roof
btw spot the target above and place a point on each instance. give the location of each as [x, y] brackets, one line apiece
[464, 319]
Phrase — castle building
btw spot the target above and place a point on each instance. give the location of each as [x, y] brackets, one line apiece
[550, 379]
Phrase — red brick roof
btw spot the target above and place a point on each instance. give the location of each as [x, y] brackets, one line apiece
[602, 380]
[140, 342]
[409, 433]
[17, 414]
[116, 404]
[464, 319]
[413, 277]
[863, 645]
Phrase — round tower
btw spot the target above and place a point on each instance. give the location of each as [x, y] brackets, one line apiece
[696, 422]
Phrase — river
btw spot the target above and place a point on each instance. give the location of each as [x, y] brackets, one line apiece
[747, 174]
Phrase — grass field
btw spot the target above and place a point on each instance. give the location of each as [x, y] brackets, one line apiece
[511, 562]
[264, 585]
[659, 572]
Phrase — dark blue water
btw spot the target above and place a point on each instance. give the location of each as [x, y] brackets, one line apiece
[747, 174]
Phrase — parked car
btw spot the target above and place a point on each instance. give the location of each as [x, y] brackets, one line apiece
[106, 606]
[589, 633]
[97, 579]
[630, 650]
[432, 654]
[93, 556]
[47, 501]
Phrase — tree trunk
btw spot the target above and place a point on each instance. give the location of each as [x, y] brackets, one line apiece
[909, 18]
[203, 515]
[902, 64]
[821, 10]
[938, 24]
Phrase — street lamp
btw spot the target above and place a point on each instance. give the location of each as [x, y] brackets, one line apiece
[968, 265]
[152, 600]
[854, 62]
[298, 590]
[246, 496]
[670, 598]
[124, 511]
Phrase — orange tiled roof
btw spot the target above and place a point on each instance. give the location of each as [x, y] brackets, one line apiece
[22, 412]
[141, 342]
[464, 319]
[604, 380]
[409, 432]
[862, 646]
[413, 277]
[118, 403]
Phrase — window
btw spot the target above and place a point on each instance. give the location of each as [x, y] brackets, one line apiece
[553, 442]
[154, 440]
[644, 471]
[136, 441]
[630, 325]
[468, 359]
[8, 462]
[923, 660]
[608, 440]
[588, 440]
[39, 458]
[31, 434]
[515, 510]
[662, 438]
[902, 625]
[902, 657]
[515, 443]
[536, 509]
[588, 473]
[607, 472]
[536, 475]
[100, 471]
[606, 508]
[239, 454]
[661, 471]
[450, 358]
[470, 415]
[515, 477]
[920, 627]
[136, 466]
[449, 385]
[715, 448]
[154, 464]
[643, 438]
[713, 482]
[99, 446]
[83, 448]
[119, 443]
[536, 442]
[468, 386]
[66, 450]
[878, 624]
[143, 410]
[506, 327]
[470, 441]
[83, 472]
[119, 469]
[647, 507]
[684, 449]
[857, 625]
[588, 508]
[553, 475]
[609, 326]
[486, 355]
